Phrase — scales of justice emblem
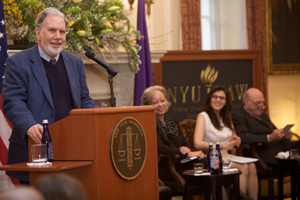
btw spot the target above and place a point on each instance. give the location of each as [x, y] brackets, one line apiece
[128, 148]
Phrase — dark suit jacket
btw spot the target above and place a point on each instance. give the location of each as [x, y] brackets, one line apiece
[27, 97]
[253, 130]
[250, 129]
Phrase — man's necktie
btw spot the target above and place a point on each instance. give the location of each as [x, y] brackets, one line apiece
[53, 61]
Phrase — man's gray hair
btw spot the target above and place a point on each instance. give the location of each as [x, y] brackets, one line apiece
[39, 21]
[246, 96]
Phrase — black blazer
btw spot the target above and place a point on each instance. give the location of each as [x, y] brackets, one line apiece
[250, 129]
[254, 130]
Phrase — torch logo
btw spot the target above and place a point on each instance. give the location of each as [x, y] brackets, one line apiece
[208, 76]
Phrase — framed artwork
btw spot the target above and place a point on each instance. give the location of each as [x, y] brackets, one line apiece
[189, 75]
[283, 33]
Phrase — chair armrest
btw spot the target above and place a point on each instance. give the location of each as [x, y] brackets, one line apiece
[160, 182]
[239, 150]
[253, 148]
[172, 159]
[261, 164]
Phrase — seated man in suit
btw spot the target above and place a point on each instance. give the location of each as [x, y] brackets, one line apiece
[255, 126]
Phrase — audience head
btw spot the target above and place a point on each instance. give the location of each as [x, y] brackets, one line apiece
[218, 101]
[157, 96]
[60, 187]
[50, 31]
[254, 102]
[22, 193]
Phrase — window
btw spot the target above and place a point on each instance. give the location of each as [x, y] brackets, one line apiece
[223, 24]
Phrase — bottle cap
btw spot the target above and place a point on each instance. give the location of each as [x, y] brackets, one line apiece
[218, 143]
[45, 121]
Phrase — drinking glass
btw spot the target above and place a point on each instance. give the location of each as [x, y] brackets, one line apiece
[227, 163]
[198, 168]
[39, 153]
[294, 153]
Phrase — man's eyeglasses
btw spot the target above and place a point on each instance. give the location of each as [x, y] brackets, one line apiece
[216, 97]
[260, 104]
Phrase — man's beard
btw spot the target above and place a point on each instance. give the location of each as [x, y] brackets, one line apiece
[51, 50]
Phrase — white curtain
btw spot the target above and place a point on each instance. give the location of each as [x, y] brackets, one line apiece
[223, 24]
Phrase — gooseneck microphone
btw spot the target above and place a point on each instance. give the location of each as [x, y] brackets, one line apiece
[112, 71]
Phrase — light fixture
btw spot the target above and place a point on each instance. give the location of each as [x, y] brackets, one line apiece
[148, 3]
[130, 2]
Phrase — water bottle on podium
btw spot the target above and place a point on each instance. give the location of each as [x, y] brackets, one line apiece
[214, 161]
[46, 139]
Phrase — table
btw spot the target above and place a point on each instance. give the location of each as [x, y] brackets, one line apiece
[56, 166]
[215, 182]
[293, 166]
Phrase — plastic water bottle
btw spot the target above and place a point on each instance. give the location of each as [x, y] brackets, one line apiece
[46, 139]
[208, 157]
[220, 156]
[214, 161]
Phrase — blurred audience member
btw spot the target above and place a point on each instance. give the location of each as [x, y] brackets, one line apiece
[22, 193]
[60, 187]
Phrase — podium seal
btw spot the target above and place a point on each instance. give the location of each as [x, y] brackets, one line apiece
[128, 148]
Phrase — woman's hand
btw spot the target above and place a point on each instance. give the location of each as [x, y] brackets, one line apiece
[236, 139]
[229, 145]
[184, 150]
[198, 154]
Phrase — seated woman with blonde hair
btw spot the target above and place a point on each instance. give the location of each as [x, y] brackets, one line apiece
[214, 125]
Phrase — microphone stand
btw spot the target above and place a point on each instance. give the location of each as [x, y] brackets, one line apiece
[112, 99]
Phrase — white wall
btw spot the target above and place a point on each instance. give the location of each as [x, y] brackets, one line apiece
[284, 100]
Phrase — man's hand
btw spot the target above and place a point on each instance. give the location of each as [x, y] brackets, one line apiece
[288, 135]
[35, 132]
[277, 134]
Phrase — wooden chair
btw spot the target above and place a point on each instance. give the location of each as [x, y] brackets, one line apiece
[188, 127]
[172, 159]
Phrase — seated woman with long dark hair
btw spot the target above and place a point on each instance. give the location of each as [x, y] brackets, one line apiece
[214, 124]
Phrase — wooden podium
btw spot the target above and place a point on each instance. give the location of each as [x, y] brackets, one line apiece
[81, 148]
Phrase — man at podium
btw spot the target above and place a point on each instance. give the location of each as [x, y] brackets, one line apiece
[43, 82]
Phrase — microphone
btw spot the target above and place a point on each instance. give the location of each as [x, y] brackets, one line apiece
[112, 71]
